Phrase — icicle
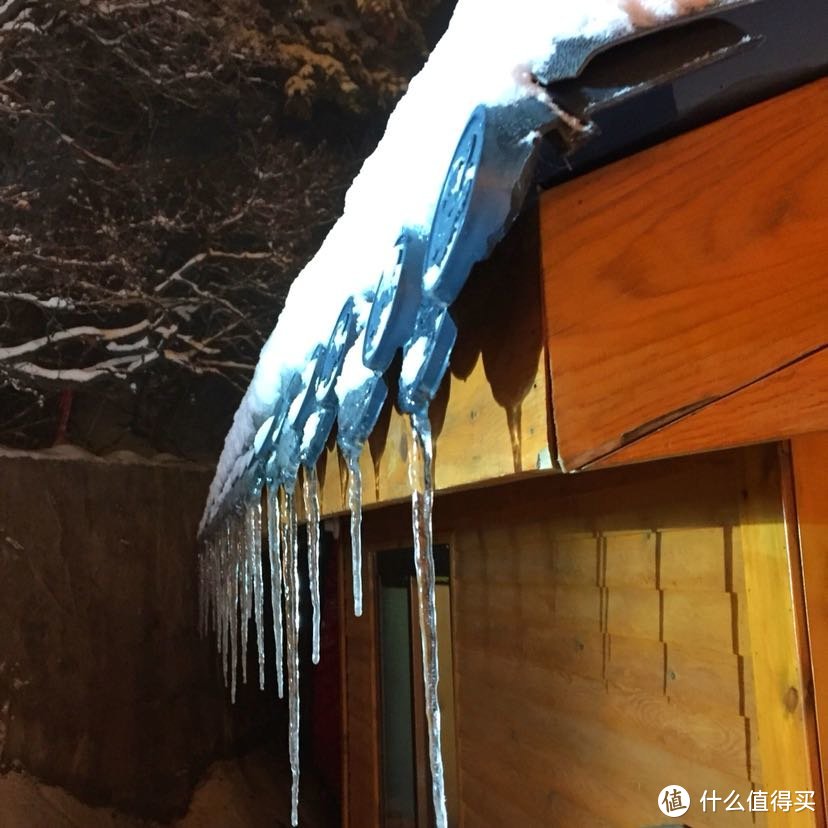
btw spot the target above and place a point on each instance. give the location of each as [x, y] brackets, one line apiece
[233, 609]
[254, 546]
[513, 419]
[422, 495]
[274, 548]
[210, 587]
[355, 502]
[224, 641]
[310, 487]
[292, 610]
[202, 579]
[244, 594]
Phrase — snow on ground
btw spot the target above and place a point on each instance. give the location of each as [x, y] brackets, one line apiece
[252, 791]
[485, 57]
[68, 451]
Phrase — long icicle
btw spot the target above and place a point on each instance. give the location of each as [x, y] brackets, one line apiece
[274, 549]
[235, 580]
[422, 496]
[226, 602]
[246, 603]
[292, 610]
[355, 503]
[255, 552]
[310, 487]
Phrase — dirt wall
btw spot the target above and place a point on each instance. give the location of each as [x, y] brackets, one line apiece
[105, 687]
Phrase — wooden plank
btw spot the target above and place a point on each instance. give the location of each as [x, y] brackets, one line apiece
[578, 653]
[490, 417]
[693, 559]
[750, 415]
[630, 559]
[633, 612]
[683, 612]
[362, 736]
[777, 679]
[577, 559]
[635, 664]
[720, 736]
[342, 602]
[705, 681]
[546, 737]
[810, 464]
[549, 791]
[662, 278]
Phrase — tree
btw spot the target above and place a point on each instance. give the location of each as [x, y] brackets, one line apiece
[165, 170]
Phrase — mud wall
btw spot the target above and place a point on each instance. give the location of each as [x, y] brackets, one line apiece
[105, 686]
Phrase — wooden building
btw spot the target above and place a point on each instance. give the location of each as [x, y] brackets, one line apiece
[632, 505]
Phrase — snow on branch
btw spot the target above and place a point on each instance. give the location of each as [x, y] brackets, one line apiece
[160, 190]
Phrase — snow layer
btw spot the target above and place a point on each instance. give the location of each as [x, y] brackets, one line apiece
[486, 56]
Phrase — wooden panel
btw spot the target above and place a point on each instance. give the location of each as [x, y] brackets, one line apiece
[778, 684]
[810, 458]
[490, 417]
[362, 713]
[694, 559]
[752, 414]
[683, 611]
[595, 662]
[630, 559]
[634, 664]
[591, 665]
[706, 680]
[684, 279]
[634, 613]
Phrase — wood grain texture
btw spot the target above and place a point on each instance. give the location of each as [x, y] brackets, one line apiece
[688, 274]
[361, 738]
[810, 463]
[778, 680]
[788, 402]
[562, 646]
[594, 661]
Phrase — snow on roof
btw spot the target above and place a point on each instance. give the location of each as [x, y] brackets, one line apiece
[487, 56]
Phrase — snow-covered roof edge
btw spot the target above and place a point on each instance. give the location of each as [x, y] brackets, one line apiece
[488, 56]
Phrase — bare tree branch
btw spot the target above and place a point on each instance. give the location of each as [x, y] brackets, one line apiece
[166, 168]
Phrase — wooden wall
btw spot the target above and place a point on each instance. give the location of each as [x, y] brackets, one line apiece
[614, 633]
[686, 290]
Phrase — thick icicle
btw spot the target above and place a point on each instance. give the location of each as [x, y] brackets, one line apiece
[355, 503]
[275, 552]
[292, 610]
[254, 552]
[422, 496]
[311, 490]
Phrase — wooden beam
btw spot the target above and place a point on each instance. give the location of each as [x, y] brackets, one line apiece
[686, 289]
[810, 463]
[748, 415]
[779, 685]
